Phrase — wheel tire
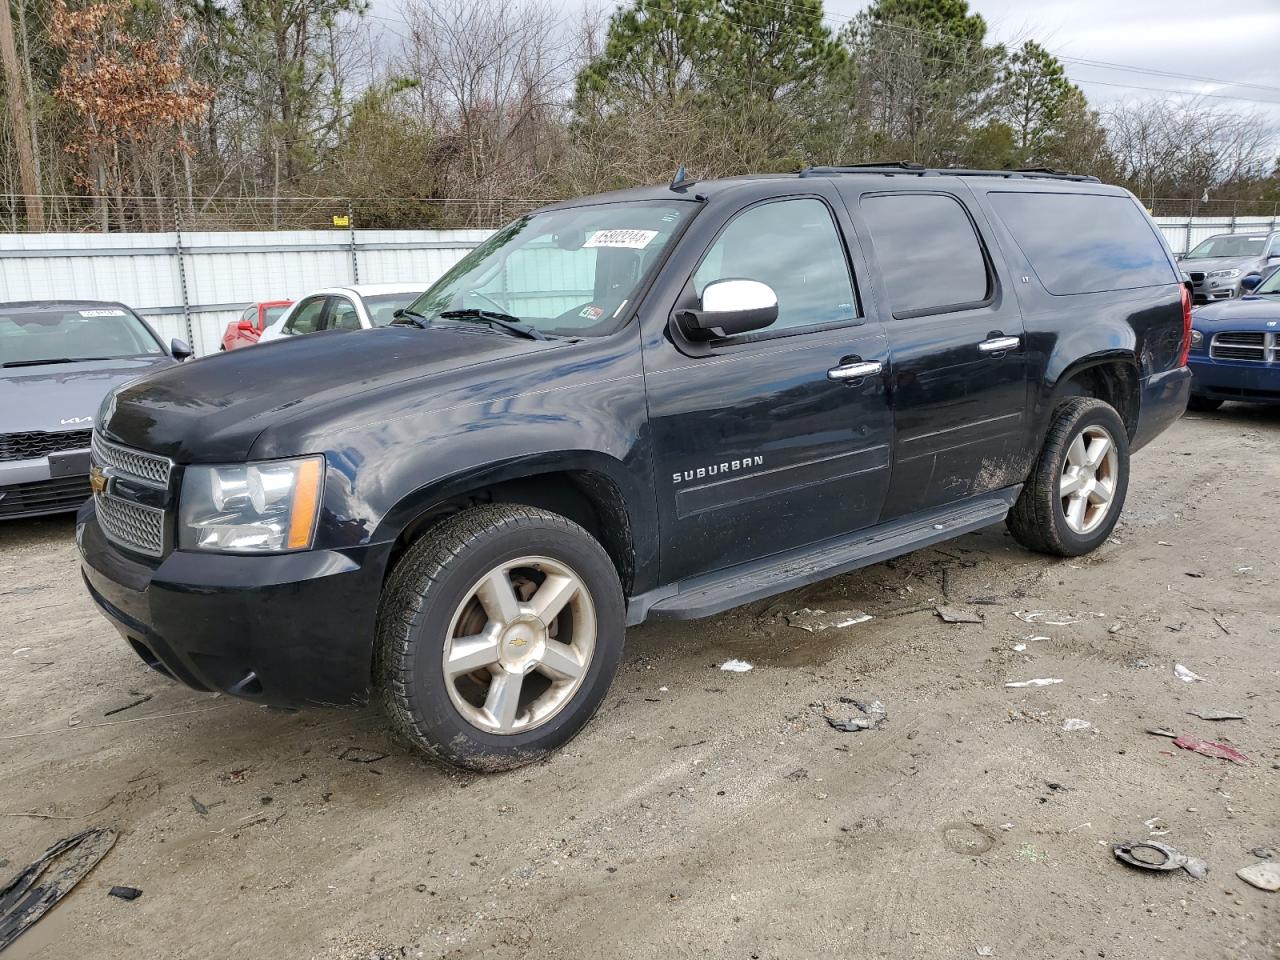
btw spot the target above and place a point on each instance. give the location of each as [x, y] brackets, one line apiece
[1203, 404]
[1039, 519]
[426, 594]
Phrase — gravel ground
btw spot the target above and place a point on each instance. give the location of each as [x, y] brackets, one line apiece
[705, 813]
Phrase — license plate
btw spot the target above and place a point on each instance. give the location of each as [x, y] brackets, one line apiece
[75, 464]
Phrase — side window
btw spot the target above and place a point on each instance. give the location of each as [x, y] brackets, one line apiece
[928, 252]
[793, 246]
[343, 316]
[250, 314]
[1085, 242]
[306, 319]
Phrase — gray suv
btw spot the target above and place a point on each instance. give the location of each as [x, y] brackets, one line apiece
[58, 360]
[1217, 266]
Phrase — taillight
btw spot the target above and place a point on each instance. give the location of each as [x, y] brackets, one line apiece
[1186, 327]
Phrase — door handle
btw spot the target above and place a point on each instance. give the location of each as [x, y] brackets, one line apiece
[855, 370]
[999, 344]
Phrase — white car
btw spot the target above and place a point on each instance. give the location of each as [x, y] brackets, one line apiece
[361, 307]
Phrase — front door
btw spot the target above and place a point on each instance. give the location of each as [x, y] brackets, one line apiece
[959, 387]
[759, 446]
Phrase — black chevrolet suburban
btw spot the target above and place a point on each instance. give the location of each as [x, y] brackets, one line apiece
[650, 404]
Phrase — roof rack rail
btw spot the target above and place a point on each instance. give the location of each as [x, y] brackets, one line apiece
[917, 170]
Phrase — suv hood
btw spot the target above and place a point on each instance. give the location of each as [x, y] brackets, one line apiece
[64, 396]
[213, 409]
[1209, 264]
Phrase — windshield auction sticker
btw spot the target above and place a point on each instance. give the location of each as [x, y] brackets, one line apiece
[633, 239]
[101, 313]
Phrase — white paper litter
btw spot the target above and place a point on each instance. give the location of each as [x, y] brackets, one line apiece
[1185, 675]
[1073, 724]
[736, 666]
[1038, 682]
[1040, 616]
[1019, 647]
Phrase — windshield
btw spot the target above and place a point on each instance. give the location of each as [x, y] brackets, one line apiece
[565, 272]
[382, 308]
[1271, 284]
[1228, 246]
[271, 314]
[53, 333]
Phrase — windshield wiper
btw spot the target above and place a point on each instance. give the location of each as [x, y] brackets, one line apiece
[410, 318]
[503, 321]
[37, 363]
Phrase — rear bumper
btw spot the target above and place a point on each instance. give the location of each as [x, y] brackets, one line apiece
[1164, 400]
[1248, 381]
[289, 630]
[46, 485]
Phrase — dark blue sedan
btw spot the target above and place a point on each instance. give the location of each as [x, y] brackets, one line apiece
[1235, 349]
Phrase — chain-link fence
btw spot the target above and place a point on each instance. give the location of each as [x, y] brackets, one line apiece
[77, 214]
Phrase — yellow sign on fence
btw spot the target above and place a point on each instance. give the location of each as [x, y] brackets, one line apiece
[341, 221]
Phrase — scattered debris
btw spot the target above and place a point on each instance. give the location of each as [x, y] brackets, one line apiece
[1166, 858]
[736, 666]
[876, 716]
[815, 621]
[361, 755]
[1208, 748]
[984, 951]
[956, 615]
[124, 893]
[1073, 724]
[798, 774]
[1042, 617]
[199, 807]
[1161, 732]
[1116, 627]
[23, 901]
[1264, 853]
[1195, 574]
[1038, 682]
[1264, 876]
[1156, 826]
[143, 698]
[1185, 675]
[1019, 647]
[1216, 715]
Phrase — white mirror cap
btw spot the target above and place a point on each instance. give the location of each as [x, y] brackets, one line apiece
[733, 296]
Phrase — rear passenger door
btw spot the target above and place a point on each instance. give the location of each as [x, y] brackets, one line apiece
[959, 384]
[342, 315]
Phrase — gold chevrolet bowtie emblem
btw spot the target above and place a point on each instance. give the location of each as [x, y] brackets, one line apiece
[97, 479]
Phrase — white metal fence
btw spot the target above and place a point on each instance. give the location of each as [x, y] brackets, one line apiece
[191, 285]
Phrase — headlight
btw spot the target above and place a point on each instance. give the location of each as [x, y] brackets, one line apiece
[1197, 339]
[1224, 274]
[267, 507]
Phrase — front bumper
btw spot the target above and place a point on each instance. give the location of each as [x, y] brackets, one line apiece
[1248, 381]
[288, 630]
[1205, 290]
[58, 483]
[1164, 400]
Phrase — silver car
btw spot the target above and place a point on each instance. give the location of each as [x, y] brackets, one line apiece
[58, 361]
[1217, 266]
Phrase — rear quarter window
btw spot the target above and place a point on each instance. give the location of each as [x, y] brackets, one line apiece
[1084, 243]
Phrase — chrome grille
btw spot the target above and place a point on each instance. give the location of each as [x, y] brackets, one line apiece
[144, 467]
[131, 524]
[35, 444]
[1252, 345]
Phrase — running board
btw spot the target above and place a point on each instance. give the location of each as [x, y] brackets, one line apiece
[714, 593]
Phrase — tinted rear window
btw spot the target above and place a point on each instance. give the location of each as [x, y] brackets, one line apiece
[928, 252]
[1084, 243]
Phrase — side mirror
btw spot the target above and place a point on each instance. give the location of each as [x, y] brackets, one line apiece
[731, 307]
[1251, 282]
[180, 349]
[247, 326]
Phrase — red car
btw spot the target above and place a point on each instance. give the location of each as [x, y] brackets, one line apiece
[246, 331]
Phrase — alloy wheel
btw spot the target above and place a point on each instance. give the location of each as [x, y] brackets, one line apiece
[1089, 476]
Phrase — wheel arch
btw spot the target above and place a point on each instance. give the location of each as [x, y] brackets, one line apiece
[1113, 376]
[592, 489]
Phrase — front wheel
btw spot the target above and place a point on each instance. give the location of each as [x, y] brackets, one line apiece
[499, 634]
[1072, 500]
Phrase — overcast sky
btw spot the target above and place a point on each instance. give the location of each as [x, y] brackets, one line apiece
[1235, 40]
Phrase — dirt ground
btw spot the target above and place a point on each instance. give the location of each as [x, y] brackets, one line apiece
[705, 813]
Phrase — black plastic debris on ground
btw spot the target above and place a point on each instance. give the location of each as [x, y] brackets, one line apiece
[361, 755]
[874, 715]
[23, 900]
[124, 893]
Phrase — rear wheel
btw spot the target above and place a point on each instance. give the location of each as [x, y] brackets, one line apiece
[499, 635]
[1203, 404]
[1072, 500]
